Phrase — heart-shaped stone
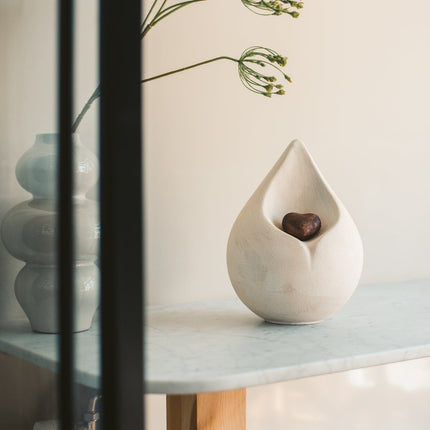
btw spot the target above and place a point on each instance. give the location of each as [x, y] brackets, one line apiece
[301, 226]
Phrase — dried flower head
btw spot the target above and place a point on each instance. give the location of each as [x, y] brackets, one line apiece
[274, 7]
[251, 65]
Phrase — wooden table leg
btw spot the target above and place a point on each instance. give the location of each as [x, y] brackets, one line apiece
[225, 410]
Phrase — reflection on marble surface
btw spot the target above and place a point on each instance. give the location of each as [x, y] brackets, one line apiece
[17, 339]
[220, 345]
[393, 396]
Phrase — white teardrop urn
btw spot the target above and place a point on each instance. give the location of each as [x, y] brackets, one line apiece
[280, 278]
[29, 233]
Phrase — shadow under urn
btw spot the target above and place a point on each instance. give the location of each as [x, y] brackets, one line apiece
[294, 254]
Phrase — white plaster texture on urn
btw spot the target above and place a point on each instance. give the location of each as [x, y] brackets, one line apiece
[29, 233]
[279, 277]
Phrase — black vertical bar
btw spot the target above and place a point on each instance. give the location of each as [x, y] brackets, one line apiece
[121, 214]
[65, 213]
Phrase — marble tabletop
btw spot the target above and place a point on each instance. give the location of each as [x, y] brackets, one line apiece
[220, 345]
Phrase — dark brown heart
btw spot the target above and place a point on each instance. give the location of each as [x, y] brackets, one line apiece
[301, 226]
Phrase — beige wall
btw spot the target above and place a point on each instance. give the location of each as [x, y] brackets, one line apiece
[359, 102]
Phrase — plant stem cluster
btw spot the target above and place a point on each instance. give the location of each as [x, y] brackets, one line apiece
[252, 74]
[251, 62]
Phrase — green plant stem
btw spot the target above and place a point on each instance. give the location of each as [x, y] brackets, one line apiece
[189, 67]
[151, 24]
[163, 13]
[94, 96]
[159, 15]
[147, 16]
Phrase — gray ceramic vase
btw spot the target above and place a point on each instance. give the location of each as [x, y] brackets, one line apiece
[29, 233]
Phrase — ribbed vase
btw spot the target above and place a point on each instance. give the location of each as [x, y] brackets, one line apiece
[29, 234]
